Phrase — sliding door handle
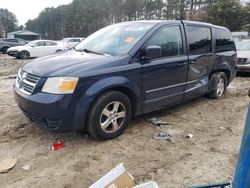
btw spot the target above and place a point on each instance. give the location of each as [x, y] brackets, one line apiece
[182, 63]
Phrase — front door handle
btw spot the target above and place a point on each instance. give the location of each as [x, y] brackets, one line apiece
[193, 61]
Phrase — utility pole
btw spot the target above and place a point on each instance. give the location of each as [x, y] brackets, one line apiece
[62, 24]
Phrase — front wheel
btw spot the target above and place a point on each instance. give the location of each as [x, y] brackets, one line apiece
[218, 85]
[24, 55]
[109, 115]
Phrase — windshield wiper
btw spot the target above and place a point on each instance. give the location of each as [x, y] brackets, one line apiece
[93, 52]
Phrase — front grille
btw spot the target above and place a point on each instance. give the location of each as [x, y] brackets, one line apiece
[242, 61]
[50, 124]
[26, 82]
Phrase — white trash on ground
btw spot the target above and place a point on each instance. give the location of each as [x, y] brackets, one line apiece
[151, 184]
[118, 177]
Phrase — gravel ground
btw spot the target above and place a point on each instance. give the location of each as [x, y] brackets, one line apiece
[210, 156]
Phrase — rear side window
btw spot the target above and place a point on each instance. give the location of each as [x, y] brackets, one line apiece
[224, 40]
[199, 39]
[13, 40]
[10, 40]
[170, 41]
[74, 40]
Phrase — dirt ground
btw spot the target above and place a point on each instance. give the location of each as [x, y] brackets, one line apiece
[210, 156]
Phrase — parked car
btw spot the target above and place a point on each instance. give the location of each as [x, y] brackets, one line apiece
[125, 70]
[36, 48]
[243, 55]
[71, 42]
[5, 44]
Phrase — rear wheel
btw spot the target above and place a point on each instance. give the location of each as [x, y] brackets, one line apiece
[218, 85]
[109, 115]
[58, 50]
[4, 50]
[24, 55]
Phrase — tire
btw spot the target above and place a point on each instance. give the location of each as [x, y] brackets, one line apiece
[23, 55]
[113, 110]
[4, 50]
[58, 50]
[218, 85]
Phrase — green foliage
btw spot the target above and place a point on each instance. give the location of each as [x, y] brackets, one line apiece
[228, 13]
[8, 22]
[83, 17]
[246, 19]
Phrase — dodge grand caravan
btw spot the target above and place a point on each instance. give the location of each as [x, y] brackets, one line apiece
[125, 70]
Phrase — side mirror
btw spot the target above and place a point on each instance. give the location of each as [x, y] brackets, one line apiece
[152, 52]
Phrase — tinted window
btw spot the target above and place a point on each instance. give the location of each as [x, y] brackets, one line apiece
[13, 40]
[224, 40]
[76, 40]
[170, 41]
[10, 40]
[21, 41]
[199, 39]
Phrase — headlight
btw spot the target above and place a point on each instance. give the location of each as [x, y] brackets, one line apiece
[60, 85]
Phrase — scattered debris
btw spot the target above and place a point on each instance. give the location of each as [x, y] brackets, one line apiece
[118, 177]
[223, 128]
[26, 167]
[162, 136]
[189, 136]
[7, 164]
[151, 184]
[156, 121]
[57, 145]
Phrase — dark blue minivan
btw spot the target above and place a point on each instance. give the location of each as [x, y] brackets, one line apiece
[125, 70]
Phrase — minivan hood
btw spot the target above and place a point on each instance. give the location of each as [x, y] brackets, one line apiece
[64, 63]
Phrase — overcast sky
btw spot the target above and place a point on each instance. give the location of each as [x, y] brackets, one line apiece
[29, 9]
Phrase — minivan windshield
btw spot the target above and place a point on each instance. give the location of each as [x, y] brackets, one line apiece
[115, 40]
[244, 45]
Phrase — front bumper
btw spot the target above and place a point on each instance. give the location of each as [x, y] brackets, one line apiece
[49, 111]
[243, 67]
[13, 53]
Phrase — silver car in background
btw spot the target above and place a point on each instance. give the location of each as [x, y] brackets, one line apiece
[243, 55]
[6, 43]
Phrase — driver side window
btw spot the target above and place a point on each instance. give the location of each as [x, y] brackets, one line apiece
[170, 41]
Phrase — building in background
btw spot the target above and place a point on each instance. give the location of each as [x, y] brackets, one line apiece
[24, 34]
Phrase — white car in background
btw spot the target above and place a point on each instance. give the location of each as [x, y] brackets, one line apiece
[243, 55]
[71, 42]
[36, 48]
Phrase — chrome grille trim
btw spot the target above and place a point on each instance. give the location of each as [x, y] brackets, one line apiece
[26, 82]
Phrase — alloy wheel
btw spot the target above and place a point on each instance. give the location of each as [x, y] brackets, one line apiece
[112, 117]
[220, 87]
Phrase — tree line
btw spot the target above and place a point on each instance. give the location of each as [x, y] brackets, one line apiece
[83, 17]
